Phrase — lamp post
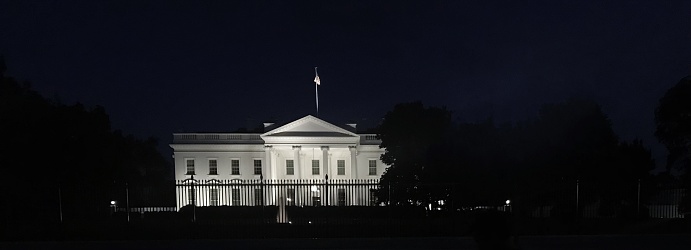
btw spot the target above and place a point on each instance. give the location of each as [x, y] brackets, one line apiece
[113, 207]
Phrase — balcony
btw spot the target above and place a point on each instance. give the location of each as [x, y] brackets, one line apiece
[231, 138]
[369, 139]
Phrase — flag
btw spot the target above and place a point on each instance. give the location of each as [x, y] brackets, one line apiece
[316, 79]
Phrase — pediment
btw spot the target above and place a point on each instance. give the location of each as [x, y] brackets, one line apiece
[309, 126]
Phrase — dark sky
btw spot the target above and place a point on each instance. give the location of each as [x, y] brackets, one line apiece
[160, 67]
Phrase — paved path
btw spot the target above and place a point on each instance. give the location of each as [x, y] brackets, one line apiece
[634, 242]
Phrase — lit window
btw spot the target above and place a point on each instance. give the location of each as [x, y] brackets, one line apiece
[190, 197]
[235, 196]
[340, 168]
[257, 167]
[258, 197]
[372, 167]
[235, 167]
[213, 167]
[315, 167]
[190, 167]
[372, 197]
[290, 200]
[316, 196]
[290, 169]
[213, 197]
[341, 197]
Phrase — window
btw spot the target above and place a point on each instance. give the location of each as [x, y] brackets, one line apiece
[235, 167]
[257, 167]
[372, 167]
[290, 200]
[372, 197]
[190, 197]
[213, 167]
[315, 167]
[316, 196]
[213, 197]
[258, 197]
[340, 167]
[341, 197]
[190, 167]
[290, 169]
[235, 197]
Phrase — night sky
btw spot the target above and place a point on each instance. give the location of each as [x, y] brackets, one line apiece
[180, 66]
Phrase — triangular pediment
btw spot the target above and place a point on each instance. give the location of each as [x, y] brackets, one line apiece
[309, 126]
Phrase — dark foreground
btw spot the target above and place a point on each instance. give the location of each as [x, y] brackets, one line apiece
[677, 241]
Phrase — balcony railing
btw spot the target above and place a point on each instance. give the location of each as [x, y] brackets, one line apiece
[365, 139]
[216, 138]
[369, 139]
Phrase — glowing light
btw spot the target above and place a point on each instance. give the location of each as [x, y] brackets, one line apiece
[112, 202]
[508, 202]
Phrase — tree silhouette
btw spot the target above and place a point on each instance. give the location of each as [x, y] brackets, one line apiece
[48, 146]
[407, 134]
[673, 119]
[535, 162]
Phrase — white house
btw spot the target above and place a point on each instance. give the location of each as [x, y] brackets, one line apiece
[304, 162]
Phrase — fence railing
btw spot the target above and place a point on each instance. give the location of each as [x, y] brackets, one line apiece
[322, 192]
[574, 199]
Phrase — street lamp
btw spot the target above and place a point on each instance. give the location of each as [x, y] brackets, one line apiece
[113, 207]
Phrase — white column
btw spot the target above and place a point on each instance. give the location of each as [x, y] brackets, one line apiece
[325, 159]
[296, 164]
[267, 173]
[353, 162]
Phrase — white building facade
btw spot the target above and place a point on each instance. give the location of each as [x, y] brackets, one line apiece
[307, 162]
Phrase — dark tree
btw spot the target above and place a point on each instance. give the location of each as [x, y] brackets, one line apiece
[407, 134]
[47, 146]
[673, 119]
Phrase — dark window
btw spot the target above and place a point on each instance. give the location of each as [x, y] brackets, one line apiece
[190, 167]
[372, 167]
[290, 169]
[213, 167]
[235, 167]
[315, 167]
[340, 167]
[257, 167]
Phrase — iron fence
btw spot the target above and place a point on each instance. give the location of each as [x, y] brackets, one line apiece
[318, 192]
[247, 208]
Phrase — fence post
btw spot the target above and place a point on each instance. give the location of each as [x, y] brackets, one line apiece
[263, 204]
[638, 201]
[389, 190]
[194, 200]
[127, 196]
[326, 189]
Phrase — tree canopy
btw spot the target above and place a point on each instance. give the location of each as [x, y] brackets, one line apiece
[673, 120]
[47, 145]
[432, 158]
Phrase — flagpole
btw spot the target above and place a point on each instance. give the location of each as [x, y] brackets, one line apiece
[317, 82]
